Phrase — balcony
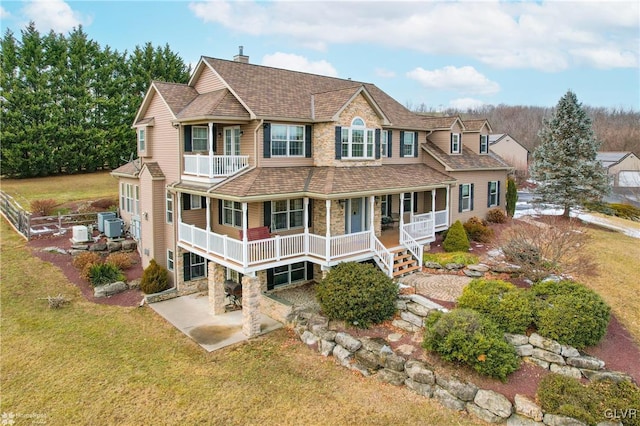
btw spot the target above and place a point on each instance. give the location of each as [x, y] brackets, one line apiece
[213, 168]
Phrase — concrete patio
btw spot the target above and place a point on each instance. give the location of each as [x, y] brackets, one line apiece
[192, 315]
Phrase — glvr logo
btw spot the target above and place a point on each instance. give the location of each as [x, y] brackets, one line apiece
[628, 413]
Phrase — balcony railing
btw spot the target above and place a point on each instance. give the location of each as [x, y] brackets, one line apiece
[214, 166]
[442, 219]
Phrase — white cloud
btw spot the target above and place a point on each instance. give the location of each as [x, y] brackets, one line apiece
[463, 104]
[299, 63]
[3, 13]
[54, 15]
[384, 73]
[462, 80]
[545, 35]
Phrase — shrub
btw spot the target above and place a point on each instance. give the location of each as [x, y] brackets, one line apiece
[570, 313]
[509, 307]
[590, 403]
[477, 230]
[512, 197]
[84, 259]
[155, 278]
[462, 258]
[121, 260]
[456, 239]
[43, 207]
[105, 203]
[496, 215]
[626, 211]
[104, 273]
[464, 335]
[357, 293]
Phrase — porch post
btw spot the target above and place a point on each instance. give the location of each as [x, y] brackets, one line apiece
[447, 208]
[251, 290]
[412, 207]
[179, 204]
[327, 204]
[401, 213]
[305, 202]
[433, 204]
[372, 206]
[245, 239]
[210, 143]
[208, 221]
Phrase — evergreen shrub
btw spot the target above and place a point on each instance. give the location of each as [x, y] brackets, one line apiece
[104, 273]
[155, 278]
[357, 293]
[570, 313]
[467, 336]
[456, 239]
[509, 307]
[477, 230]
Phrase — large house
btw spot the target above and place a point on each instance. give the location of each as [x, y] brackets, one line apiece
[623, 168]
[268, 177]
[512, 151]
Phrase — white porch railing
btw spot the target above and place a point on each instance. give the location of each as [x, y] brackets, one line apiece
[345, 245]
[203, 165]
[442, 219]
[384, 255]
[412, 245]
[420, 230]
[421, 217]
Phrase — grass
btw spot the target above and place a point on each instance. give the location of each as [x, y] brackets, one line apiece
[97, 364]
[451, 257]
[63, 189]
[616, 279]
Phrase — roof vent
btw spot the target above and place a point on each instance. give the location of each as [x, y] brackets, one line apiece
[240, 57]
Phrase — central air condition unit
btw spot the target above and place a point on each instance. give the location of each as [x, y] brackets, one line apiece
[113, 228]
[80, 234]
[102, 217]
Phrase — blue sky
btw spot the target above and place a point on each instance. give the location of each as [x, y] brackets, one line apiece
[435, 53]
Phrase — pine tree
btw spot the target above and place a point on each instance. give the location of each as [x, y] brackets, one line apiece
[564, 164]
[512, 197]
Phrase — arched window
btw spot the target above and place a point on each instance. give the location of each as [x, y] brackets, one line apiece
[357, 140]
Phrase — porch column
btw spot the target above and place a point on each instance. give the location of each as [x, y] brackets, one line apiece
[401, 213]
[447, 204]
[179, 205]
[412, 207]
[250, 305]
[433, 205]
[210, 143]
[372, 206]
[328, 233]
[305, 202]
[245, 239]
[208, 220]
[215, 280]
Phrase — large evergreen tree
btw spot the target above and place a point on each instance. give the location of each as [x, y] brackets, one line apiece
[564, 164]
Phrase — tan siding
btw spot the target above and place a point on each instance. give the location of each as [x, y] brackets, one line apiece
[433, 163]
[480, 179]
[152, 203]
[395, 150]
[208, 82]
[442, 139]
[166, 149]
[170, 234]
[157, 218]
[511, 152]
[471, 140]
[285, 161]
[630, 164]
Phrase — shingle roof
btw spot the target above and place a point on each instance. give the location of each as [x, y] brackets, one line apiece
[154, 170]
[609, 158]
[466, 160]
[220, 103]
[327, 104]
[495, 137]
[176, 95]
[130, 169]
[474, 125]
[331, 181]
[435, 123]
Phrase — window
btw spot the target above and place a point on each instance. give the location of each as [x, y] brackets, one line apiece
[384, 145]
[141, 140]
[199, 138]
[287, 141]
[466, 198]
[455, 143]
[406, 202]
[169, 207]
[408, 144]
[234, 276]
[357, 140]
[136, 190]
[384, 205]
[194, 266]
[130, 198]
[493, 194]
[196, 202]
[170, 260]
[134, 229]
[232, 213]
[287, 274]
[287, 214]
[484, 144]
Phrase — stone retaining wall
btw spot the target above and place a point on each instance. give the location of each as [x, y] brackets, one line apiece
[375, 357]
[276, 307]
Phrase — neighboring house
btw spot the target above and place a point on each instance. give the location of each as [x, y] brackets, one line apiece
[511, 151]
[268, 177]
[623, 168]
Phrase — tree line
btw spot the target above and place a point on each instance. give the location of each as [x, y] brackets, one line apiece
[617, 129]
[67, 104]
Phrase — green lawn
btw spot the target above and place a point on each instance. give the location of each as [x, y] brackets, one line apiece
[96, 364]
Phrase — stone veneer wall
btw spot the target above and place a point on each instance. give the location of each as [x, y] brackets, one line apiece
[191, 286]
[320, 218]
[374, 357]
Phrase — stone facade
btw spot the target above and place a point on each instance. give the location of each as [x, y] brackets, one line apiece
[251, 295]
[191, 286]
[320, 218]
[217, 295]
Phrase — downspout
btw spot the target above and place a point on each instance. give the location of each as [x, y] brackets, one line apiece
[255, 141]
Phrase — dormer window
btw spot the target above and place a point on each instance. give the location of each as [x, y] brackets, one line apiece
[357, 141]
[456, 143]
[484, 144]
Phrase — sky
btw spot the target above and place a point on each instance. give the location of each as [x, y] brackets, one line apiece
[435, 54]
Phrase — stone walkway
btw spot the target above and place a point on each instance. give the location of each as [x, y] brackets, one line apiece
[437, 286]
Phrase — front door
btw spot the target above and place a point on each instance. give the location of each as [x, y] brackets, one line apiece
[232, 140]
[355, 216]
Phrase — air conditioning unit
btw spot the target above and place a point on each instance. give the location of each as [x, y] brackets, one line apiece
[80, 234]
[102, 217]
[113, 228]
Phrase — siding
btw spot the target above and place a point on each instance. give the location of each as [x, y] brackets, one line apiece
[511, 152]
[164, 136]
[395, 150]
[480, 179]
[208, 81]
[631, 164]
[152, 202]
[286, 161]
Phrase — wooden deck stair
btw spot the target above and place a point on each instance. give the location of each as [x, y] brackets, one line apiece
[403, 262]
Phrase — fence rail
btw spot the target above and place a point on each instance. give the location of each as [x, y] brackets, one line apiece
[19, 218]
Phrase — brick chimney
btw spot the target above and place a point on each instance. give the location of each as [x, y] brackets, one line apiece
[240, 57]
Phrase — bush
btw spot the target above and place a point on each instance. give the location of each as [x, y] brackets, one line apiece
[43, 207]
[462, 258]
[509, 307]
[570, 313]
[105, 203]
[104, 273]
[477, 230]
[512, 197]
[464, 335]
[456, 239]
[155, 278]
[626, 211]
[121, 260]
[591, 403]
[496, 215]
[84, 259]
[357, 293]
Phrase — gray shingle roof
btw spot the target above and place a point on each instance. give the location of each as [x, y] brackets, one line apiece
[466, 160]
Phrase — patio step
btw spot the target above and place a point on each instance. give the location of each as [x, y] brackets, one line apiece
[403, 263]
[405, 271]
